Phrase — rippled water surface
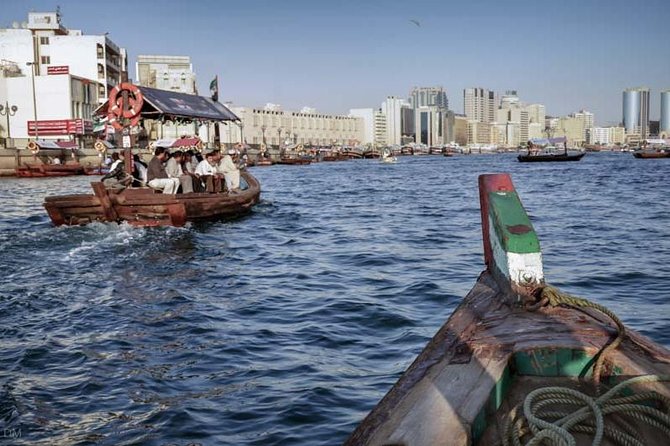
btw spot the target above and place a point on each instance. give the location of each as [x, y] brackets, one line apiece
[288, 325]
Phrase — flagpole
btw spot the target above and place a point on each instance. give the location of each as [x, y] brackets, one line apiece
[217, 136]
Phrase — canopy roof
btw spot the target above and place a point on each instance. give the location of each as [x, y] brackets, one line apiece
[172, 105]
[547, 141]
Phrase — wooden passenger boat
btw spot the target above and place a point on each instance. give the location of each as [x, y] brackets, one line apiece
[35, 170]
[294, 161]
[548, 157]
[146, 207]
[371, 154]
[652, 153]
[352, 154]
[510, 338]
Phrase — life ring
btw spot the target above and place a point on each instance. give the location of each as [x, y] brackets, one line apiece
[33, 147]
[99, 146]
[135, 100]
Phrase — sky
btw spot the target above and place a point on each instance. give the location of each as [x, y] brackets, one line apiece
[337, 55]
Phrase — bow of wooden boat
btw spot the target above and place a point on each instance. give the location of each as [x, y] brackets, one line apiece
[493, 349]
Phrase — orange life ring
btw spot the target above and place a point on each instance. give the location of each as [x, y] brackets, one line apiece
[33, 147]
[135, 101]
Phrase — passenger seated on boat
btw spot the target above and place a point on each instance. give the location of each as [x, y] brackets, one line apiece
[158, 177]
[207, 173]
[231, 173]
[174, 170]
[140, 172]
[117, 179]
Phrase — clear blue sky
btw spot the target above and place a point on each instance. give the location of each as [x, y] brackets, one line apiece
[337, 55]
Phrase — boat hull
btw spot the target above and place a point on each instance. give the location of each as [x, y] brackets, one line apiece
[145, 207]
[549, 158]
[652, 154]
[49, 170]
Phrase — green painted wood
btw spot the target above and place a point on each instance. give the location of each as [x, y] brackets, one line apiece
[511, 223]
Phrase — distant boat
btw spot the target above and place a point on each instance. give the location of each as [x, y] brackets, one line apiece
[654, 148]
[548, 153]
[517, 357]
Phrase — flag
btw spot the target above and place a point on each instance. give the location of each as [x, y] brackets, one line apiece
[214, 88]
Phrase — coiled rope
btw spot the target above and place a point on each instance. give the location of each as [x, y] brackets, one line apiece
[551, 415]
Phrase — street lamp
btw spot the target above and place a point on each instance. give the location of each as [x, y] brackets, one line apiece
[241, 132]
[8, 111]
[263, 130]
[279, 140]
[32, 66]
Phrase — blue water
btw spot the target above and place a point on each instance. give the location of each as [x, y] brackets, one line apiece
[287, 326]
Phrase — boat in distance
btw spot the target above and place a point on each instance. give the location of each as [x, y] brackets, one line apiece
[146, 207]
[548, 157]
[519, 362]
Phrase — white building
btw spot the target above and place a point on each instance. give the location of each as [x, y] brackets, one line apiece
[59, 98]
[271, 127]
[72, 75]
[380, 128]
[173, 73]
[391, 108]
[367, 115]
[44, 40]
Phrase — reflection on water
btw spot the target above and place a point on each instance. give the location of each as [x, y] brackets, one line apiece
[287, 326]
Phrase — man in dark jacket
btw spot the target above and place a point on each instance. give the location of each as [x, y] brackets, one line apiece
[157, 177]
[118, 179]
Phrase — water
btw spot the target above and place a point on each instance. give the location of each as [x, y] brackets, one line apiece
[287, 326]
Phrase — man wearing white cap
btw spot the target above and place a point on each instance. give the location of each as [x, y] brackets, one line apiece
[230, 171]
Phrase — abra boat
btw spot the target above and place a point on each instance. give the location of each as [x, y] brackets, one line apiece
[37, 170]
[548, 157]
[654, 148]
[548, 152]
[146, 207]
[510, 338]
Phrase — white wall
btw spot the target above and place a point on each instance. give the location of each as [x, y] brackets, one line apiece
[368, 117]
[16, 45]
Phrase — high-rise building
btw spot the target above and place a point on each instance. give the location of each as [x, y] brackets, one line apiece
[479, 104]
[429, 97]
[392, 108]
[664, 123]
[367, 115]
[636, 111]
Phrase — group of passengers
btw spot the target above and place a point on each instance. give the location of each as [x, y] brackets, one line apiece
[178, 172]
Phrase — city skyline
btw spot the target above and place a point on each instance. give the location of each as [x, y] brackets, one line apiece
[334, 58]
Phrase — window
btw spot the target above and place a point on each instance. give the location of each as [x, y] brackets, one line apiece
[44, 40]
[46, 60]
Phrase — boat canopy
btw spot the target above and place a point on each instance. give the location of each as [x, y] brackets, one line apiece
[170, 105]
[50, 144]
[665, 142]
[549, 141]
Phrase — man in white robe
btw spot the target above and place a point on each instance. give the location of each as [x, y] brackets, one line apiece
[230, 171]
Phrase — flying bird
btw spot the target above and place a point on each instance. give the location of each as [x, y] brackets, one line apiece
[416, 22]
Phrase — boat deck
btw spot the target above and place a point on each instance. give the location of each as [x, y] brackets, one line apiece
[458, 380]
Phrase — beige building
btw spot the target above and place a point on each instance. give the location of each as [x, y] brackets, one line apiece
[275, 126]
[173, 73]
[480, 132]
[460, 130]
[479, 104]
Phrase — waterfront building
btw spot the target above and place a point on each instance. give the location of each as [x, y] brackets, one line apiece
[572, 128]
[480, 132]
[380, 128]
[172, 73]
[269, 126]
[535, 130]
[408, 125]
[430, 125]
[605, 135]
[392, 109]
[44, 40]
[460, 135]
[66, 65]
[636, 111]
[479, 104]
[367, 115]
[64, 108]
[664, 123]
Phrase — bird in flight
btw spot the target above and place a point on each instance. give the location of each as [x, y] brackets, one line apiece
[416, 22]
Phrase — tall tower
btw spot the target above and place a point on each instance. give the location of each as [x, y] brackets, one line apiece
[636, 111]
[429, 97]
[664, 124]
[479, 104]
